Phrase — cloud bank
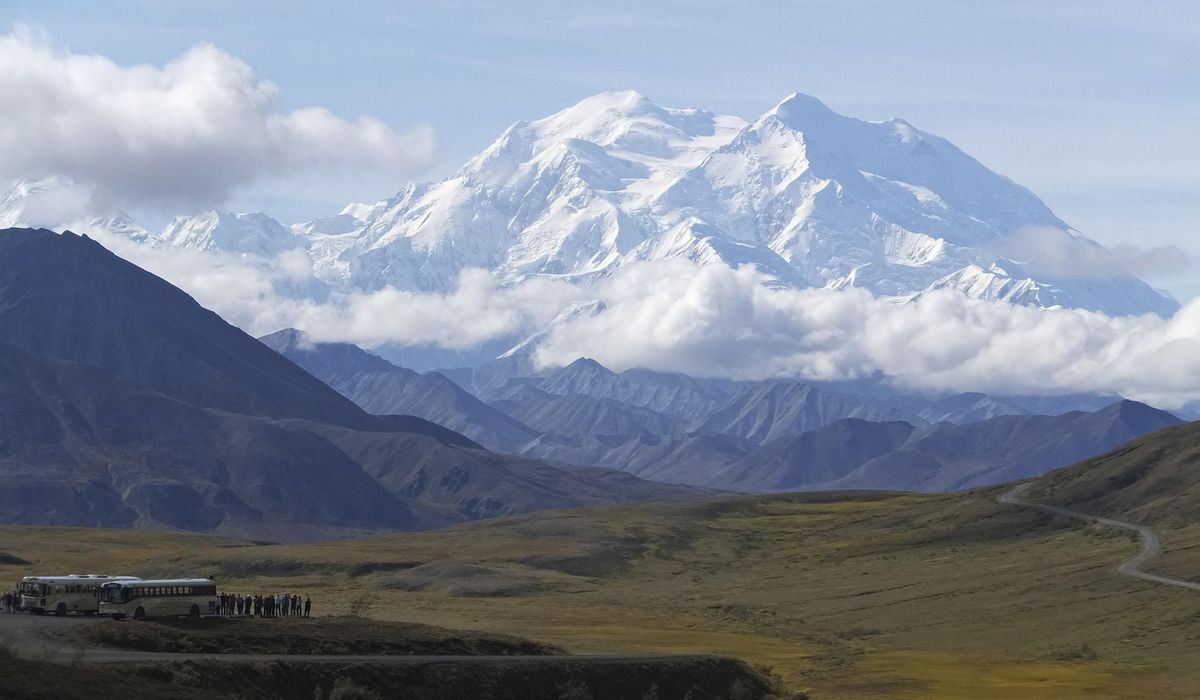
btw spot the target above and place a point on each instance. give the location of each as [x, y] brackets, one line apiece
[711, 320]
[717, 321]
[261, 296]
[1052, 252]
[186, 133]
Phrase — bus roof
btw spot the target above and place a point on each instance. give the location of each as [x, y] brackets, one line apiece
[164, 582]
[75, 578]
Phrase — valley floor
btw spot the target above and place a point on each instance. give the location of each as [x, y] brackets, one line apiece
[843, 595]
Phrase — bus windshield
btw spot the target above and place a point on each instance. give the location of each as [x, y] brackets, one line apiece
[33, 589]
[112, 594]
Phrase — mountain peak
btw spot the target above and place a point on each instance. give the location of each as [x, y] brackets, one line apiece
[628, 122]
[798, 104]
[1137, 413]
[617, 99]
[58, 203]
[100, 310]
[252, 233]
[319, 359]
[624, 103]
[287, 339]
[598, 118]
[586, 365]
[800, 112]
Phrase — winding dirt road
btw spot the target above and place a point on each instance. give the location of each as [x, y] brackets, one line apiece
[1151, 544]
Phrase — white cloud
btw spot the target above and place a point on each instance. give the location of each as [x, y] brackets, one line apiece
[262, 296]
[673, 315]
[477, 311]
[715, 321]
[1053, 252]
[188, 132]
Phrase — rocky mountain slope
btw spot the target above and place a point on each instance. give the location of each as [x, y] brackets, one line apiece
[66, 297]
[123, 402]
[1154, 479]
[382, 388]
[856, 454]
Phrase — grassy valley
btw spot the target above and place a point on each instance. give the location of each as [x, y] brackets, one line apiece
[840, 595]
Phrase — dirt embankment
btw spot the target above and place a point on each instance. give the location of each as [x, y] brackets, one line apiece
[699, 678]
[32, 679]
[313, 636]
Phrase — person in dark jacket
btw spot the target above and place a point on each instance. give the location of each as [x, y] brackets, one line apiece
[307, 606]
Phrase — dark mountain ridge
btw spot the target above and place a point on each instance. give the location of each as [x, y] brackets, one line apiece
[81, 446]
[1154, 479]
[67, 297]
[855, 454]
[123, 402]
[380, 387]
[767, 435]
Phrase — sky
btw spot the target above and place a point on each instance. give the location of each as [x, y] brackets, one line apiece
[1092, 105]
[295, 109]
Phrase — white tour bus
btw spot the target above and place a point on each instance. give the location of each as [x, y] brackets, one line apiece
[78, 593]
[142, 599]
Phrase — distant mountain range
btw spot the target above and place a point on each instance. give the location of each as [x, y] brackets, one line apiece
[380, 387]
[125, 403]
[754, 436]
[810, 197]
[857, 454]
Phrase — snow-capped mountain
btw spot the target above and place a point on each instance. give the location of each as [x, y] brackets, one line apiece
[243, 234]
[56, 203]
[811, 197]
[571, 194]
[1008, 281]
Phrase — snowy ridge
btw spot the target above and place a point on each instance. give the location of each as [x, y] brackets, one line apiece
[247, 234]
[57, 204]
[810, 197]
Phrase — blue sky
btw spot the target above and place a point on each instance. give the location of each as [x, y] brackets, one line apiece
[1093, 105]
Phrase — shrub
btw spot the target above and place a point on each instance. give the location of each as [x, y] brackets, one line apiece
[360, 606]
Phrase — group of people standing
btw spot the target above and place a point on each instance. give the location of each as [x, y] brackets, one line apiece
[280, 605]
[10, 602]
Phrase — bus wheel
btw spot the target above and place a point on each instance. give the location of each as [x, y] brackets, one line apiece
[194, 613]
[61, 609]
[139, 614]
